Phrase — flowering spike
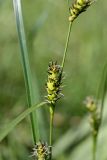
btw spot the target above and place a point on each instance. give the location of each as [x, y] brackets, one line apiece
[90, 103]
[78, 7]
[92, 106]
[53, 85]
[41, 151]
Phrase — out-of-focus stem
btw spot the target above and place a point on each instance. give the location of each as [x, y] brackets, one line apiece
[94, 146]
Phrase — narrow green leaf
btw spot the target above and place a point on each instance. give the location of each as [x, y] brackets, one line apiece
[33, 32]
[38, 25]
[18, 119]
[26, 66]
[102, 90]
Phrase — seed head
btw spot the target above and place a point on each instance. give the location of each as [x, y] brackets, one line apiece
[90, 103]
[93, 108]
[95, 123]
[53, 85]
[41, 151]
[78, 7]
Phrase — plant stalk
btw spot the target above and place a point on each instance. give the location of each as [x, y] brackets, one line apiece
[52, 107]
[66, 45]
[51, 128]
[94, 146]
[68, 3]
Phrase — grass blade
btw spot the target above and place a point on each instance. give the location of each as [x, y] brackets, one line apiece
[102, 90]
[18, 119]
[26, 66]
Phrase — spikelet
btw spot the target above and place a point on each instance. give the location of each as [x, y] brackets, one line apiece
[41, 151]
[78, 7]
[53, 85]
[93, 108]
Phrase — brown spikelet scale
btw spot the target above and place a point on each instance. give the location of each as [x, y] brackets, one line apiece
[53, 85]
[78, 7]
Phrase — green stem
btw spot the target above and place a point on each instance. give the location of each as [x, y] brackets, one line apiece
[94, 146]
[53, 106]
[68, 3]
[25, 65]
[51, 128]
[66, 45]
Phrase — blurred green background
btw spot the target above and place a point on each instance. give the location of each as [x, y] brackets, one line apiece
[46, 25]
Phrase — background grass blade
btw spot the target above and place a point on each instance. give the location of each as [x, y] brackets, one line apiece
[17, 120]
[26, 66]
[76, 137]
[102, 90]
[33, 32]
[40, 22]
[70, 138]
[81, 150]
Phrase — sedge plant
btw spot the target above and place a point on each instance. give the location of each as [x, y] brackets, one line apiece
[41, 150]
[55, 71]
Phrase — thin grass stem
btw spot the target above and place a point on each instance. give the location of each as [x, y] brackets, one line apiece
[52, 107]
[68, 3]
[51, 128]
[94, 146]
[25, 65]
[66, 45]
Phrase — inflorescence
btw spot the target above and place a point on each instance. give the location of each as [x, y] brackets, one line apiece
[93, 108]
[78, 7]
[53, 85]
[41, 151]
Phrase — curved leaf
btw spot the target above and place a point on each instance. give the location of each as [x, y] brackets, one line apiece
[18, 119]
